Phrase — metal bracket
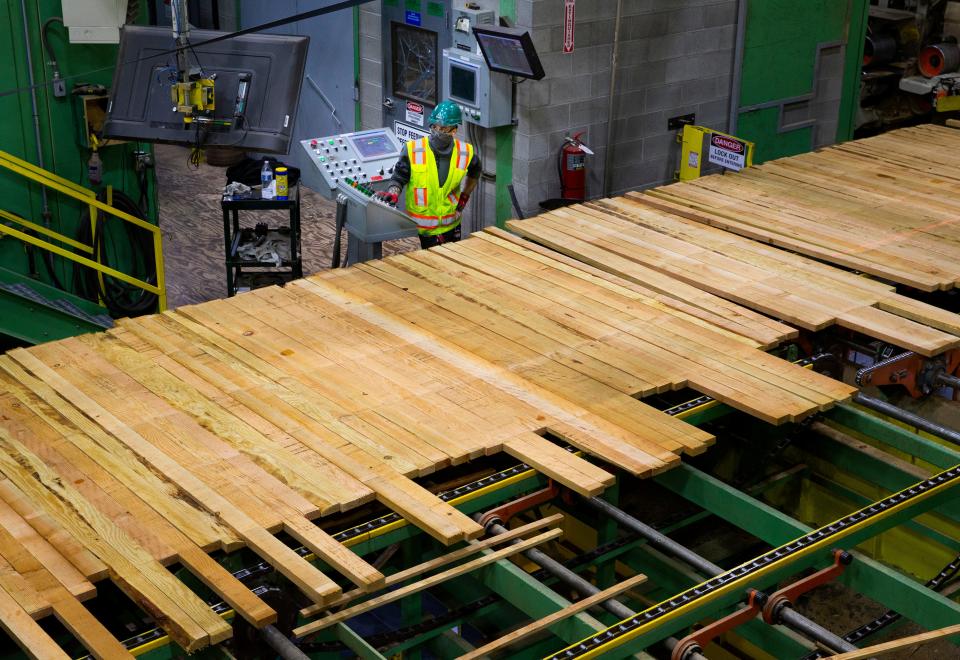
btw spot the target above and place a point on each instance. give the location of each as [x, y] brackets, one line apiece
[913, 372]
[701, 638]
[786, 596]
[504, 513]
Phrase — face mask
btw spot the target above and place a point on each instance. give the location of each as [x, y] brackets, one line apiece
[440, 139]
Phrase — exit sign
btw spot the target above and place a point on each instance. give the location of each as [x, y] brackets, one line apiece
[569, 24]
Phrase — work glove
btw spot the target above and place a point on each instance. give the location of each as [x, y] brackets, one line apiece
[462, 204]
[390, 196]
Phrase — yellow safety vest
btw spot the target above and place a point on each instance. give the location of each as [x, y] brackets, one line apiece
[434, 207]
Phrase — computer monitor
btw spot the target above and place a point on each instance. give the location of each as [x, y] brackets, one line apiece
[463, 82]
[484, 97]
[510, 51]
[256, 89]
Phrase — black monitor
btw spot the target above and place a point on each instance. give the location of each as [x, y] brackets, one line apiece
[256, 89]
[463, 82]
[509, 50]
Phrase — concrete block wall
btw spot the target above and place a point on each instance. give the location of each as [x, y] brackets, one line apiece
[676, 57]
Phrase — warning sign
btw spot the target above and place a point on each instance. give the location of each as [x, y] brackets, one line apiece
[569, 24]
[414, 113]
[407, 133]
[727, 152]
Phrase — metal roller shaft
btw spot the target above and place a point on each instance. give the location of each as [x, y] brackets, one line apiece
[948, 381]
[283, 646]
[583, 587]
[788, 616]
[907, 417]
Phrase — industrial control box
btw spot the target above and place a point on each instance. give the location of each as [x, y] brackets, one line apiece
[464, 20]
[484, 97]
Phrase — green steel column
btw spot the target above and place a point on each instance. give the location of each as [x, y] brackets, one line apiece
[850, 100]
[504, 136]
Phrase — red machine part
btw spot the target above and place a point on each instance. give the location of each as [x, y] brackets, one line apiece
[701, 638]
[504, 513]
[573, 168]
[786, 596]
[758, 602]
[911, 371]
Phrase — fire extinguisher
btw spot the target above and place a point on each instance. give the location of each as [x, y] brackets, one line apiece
[572, 168]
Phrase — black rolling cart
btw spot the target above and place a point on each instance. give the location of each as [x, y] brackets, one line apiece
[248, 252]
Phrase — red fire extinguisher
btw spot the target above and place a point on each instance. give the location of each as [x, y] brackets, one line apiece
[572, 166]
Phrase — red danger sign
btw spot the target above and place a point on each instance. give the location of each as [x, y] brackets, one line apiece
[727, 152]
[414, 107]
[729, 144]
[569, 24]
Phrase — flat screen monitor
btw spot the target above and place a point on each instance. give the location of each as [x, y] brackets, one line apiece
[256, 89]
[374, 145]
[463, 82]
[510, 51]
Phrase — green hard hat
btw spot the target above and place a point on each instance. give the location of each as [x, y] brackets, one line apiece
[447, 113]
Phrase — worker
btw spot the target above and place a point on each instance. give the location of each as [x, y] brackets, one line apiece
[436, 208]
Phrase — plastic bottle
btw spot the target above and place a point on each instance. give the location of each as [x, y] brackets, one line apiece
[266, 178]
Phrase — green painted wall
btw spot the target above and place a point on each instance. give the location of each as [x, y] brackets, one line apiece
[59, 121]
[780, 49]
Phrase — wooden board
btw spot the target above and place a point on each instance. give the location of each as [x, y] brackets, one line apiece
[660, 237]
[216, 426]
[887, 205]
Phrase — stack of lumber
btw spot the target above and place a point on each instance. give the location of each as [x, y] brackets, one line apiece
[217, 425]
[887, 205]
[636, 235]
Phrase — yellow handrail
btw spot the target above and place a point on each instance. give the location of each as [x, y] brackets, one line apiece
[40, 229]
[88, 198]
[56, 249]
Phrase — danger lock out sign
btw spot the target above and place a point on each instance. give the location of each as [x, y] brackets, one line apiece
[569, 24]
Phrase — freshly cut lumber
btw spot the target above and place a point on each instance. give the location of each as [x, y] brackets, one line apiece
[543, 623]
[895, 645]
[414, 571]
[426, 583]
[218, 426]
[646, 239]
[884, 205]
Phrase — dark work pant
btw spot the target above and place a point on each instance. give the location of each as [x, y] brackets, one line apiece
[451, 236]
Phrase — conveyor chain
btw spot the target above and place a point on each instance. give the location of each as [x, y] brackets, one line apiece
[263, 568]
[863, 372]
[762, 563]
[890, 617]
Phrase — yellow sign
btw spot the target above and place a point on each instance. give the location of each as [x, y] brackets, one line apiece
[702, 145]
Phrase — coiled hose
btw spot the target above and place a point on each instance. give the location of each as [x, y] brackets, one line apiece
[122, 299]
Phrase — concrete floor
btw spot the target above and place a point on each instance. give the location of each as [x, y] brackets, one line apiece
[192, 226]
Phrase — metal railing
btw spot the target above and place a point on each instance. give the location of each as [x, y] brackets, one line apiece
[88, 198]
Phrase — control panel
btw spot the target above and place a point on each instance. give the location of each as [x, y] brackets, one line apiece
[365, 157]
[484, 96]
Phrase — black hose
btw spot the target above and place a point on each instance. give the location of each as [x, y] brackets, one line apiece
[513, 200]
[122, 299]
[338, 229]
[46, 42]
